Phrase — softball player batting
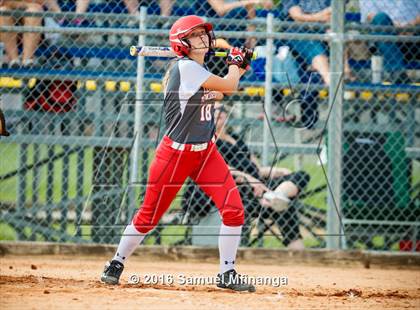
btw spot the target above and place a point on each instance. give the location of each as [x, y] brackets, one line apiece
[188, 150]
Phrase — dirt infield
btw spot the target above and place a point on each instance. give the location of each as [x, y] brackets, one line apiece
[51, 281]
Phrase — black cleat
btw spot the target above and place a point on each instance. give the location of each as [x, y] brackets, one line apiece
[112, 272]
[231, 280]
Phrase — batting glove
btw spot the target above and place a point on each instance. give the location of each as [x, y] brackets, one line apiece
[235, 57]
[248, 52]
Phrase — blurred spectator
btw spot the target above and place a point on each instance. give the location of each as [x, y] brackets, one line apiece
[132, 7]
[314, 53]
[266, 191]
[396, 13]
[30, 40]
[400, 12]
[232, 9]
[166, 7]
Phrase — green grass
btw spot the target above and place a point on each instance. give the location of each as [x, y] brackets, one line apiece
[8, 233]
[416, 172]
[10, 162]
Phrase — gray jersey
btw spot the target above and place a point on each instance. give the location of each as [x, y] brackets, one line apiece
[188, 107]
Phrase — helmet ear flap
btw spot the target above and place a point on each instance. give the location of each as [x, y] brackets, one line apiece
[185, 46]
[177, 49]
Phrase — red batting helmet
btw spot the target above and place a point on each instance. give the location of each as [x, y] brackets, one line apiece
[182, 28]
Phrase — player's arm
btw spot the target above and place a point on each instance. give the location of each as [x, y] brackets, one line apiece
[238, 63]
[227, 84]
[298, 15]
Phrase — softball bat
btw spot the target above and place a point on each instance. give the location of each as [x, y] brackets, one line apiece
[157, 51]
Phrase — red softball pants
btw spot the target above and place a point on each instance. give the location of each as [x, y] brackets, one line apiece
[167, 174]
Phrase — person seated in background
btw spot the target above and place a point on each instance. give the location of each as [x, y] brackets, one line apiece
[391, 13]
[232, 9]
[314, 53]
[30, 40]
[266, 192]
[132, 7]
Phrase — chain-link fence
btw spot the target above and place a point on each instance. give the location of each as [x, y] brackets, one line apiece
[340, 151]
[380, 177]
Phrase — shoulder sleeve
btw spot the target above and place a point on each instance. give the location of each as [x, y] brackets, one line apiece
[192, 76]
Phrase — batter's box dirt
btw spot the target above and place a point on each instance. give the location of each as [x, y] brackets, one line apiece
[72, 282]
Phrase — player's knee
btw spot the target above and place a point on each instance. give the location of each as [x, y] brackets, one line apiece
[142, 224]
[232, 210]
[233, 215]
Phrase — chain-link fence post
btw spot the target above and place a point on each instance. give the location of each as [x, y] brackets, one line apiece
[268, 89]
[138, 116]
[335, 124]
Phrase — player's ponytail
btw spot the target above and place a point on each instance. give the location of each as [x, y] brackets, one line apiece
[166, 76]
